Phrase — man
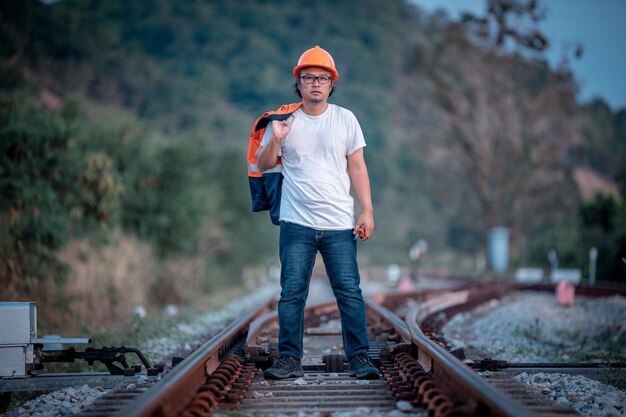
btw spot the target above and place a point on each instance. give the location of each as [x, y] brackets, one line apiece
[321, 147]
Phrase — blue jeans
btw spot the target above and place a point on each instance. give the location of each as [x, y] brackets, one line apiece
[298, 247]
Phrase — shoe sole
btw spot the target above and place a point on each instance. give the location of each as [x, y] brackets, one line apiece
[294, 374]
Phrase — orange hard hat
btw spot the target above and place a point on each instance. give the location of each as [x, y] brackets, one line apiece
[316, 57]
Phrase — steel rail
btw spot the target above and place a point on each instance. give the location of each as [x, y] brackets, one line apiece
[445, 367]
[383, 313]
[461, 379]
[169, 396]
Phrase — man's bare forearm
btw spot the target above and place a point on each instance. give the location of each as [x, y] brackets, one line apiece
[267, 156]
[360, 180]
[361, 184]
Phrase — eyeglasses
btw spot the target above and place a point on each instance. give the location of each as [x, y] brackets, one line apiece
[310, 79]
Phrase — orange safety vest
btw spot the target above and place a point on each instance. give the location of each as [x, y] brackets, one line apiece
[265, 187]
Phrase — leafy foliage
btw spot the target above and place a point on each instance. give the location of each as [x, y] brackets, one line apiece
[47, 187]
[600, 223]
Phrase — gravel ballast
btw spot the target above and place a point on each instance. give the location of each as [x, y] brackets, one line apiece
[61, 402]
[532, 327]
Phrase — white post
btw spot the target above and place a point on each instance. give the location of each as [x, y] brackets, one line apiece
[554, 261]
[593, 256]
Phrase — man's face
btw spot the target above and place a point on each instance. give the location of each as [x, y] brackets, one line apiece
[316, 92]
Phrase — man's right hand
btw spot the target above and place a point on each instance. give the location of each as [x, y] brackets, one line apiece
[267, 156]
[280, 129]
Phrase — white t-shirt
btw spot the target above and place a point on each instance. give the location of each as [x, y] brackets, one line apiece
[316, 185]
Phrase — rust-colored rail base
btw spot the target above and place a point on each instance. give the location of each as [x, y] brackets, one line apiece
[409, 382]
[224, 388]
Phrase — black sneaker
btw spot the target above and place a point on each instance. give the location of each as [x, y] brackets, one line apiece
[285, 367]
[362, 367]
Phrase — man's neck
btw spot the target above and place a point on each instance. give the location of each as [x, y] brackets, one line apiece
[314, 109]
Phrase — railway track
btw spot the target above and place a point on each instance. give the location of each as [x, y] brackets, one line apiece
[429, 312]
[418, 374]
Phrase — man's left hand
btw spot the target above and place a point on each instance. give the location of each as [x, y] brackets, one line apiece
[366, 223]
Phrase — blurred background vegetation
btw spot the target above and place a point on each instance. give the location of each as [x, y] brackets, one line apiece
[124, 129]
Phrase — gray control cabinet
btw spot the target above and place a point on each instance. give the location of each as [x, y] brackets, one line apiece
[18, 326]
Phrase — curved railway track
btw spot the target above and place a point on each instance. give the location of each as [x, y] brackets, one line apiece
[418, 373]
[430, 313]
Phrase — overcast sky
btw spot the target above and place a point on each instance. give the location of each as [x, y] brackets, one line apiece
[599, 26]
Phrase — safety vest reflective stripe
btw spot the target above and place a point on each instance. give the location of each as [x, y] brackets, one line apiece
[255, 168]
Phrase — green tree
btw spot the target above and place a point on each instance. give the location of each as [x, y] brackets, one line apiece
[603, 225]
[599, 222]
[47, 188]
[165, 199]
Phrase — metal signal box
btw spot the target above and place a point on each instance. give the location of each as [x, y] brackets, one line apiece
[19, 345]
[18, 326]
